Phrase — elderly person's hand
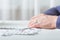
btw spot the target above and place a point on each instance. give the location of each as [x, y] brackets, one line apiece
[43, 21]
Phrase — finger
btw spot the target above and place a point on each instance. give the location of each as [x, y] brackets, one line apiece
[33, 21]
[35, 26]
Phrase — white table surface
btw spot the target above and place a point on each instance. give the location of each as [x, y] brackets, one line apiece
[44, 34]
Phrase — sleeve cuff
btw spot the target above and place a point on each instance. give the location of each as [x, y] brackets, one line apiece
[58, 23]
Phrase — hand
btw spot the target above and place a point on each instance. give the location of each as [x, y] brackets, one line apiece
[43, 21]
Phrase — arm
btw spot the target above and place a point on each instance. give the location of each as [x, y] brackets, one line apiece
[52, 11]
[50, 19]
[58, 22]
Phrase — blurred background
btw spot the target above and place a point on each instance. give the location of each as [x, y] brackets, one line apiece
[24, 9]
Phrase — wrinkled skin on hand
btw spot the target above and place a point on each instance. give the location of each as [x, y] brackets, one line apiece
[43, 21]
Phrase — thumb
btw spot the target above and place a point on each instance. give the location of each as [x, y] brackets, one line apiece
[35, 26]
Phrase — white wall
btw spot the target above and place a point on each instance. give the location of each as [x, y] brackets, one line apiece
[23, 9]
